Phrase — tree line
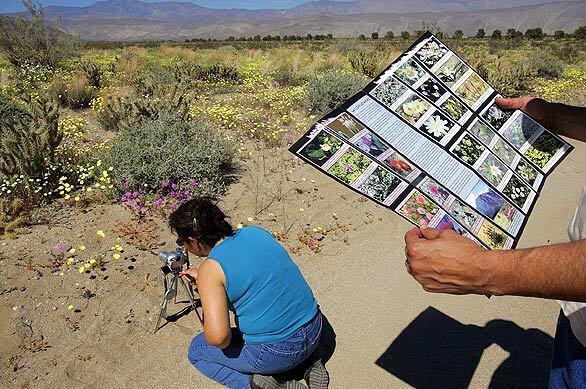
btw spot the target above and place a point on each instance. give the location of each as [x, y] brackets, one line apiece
[511, 33]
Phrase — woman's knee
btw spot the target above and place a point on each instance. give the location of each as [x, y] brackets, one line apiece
[196, 348]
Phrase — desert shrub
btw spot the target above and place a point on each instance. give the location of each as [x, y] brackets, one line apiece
[285, 75]
[545, 65]
[217, 73]
[74, 92]
[11, 215]
[510, 79]
[171, 149]
[29, 137]
[330, 90]
[32, 41]
[365, 62]
[119, 113]
[153, 80]
[94, 73]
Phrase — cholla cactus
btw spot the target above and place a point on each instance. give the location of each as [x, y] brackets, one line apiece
[29, 136]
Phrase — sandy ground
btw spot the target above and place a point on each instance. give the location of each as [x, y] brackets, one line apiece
[390, 333]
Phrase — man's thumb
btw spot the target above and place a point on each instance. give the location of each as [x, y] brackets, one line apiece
[429, 233]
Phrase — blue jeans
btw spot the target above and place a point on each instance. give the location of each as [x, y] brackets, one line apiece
[234, 365]
[568, 362]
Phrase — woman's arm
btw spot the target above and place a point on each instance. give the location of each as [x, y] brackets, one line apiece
[210, 286]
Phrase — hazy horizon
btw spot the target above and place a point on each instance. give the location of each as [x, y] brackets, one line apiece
[16, 5]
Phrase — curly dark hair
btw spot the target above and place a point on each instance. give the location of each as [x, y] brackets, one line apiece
[202, 219]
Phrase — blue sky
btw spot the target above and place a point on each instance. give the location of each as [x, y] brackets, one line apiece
[16, 5]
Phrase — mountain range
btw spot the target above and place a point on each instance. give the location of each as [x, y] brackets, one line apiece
[133, 20]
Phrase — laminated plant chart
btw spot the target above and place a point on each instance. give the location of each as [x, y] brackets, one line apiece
[426, 140]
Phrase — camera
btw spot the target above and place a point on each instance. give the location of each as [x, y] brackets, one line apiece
[174, 260]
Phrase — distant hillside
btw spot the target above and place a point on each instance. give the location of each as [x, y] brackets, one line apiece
[566, 15]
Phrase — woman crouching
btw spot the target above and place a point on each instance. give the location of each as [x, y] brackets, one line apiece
[249, 272]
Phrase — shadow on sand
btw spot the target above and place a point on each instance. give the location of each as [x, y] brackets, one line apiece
[437, 351]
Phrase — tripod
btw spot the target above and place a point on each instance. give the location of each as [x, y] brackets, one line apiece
[170, 293]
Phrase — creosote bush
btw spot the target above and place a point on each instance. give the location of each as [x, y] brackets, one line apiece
[170, 149]
[31, 41]
[329, 91]
[545, 65]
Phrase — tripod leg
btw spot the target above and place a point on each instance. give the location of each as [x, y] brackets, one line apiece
[191, 300]
[170, 293]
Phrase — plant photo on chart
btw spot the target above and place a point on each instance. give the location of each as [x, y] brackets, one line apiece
[418, 209]
[437, 125]
[380, 184]
[504, 151]
[454, 108]
[517, 191]
[504, 217]
[434, 190]
[468, 149]
[451, 70]
[492, 236]
[346, 126]
[463, 213]
[448, 223]
[527, 172]
[485, 200]
[482, 132]
[496, 117]
[544, 147]
[321, 148]
[431, 52]
[389, 91]
[492, 169]
[410, 72]
[398, 164]
[371, 144]
[472, 89]
[350, 166]
[432, 89]
[520, 130]
[413, 108]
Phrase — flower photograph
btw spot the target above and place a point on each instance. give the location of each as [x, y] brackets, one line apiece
[410, 72]
[371, 144]
[448, 223]
[520, 130]
[380, 184]
[451, 70]
[350, 166]
[434, 190]
[413, 108]
[468, 149]
[485, 200]
[432, 89]
[517, 191]
[431, 52]
[504, 151]
[495, 116]
[504, 217]
[482, 132]
[454, 108]
[321, 148]
[492, 236]
[492, 169]
[389, 91]
[472, 89]
[346, 125]
[398, 164]
[463, 213]
[437, 125]
[418, 208]
[544, 147]
[526, 172]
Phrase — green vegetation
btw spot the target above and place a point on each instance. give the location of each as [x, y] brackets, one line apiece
[118, 118]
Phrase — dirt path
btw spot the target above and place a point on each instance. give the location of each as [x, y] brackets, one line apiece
[390, 333]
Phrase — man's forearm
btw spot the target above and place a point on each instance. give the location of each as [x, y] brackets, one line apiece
[556, 271]
[569, 121]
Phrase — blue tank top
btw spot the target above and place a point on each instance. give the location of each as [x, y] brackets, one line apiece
[270, 298]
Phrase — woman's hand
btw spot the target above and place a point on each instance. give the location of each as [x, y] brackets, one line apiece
[190, 274]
